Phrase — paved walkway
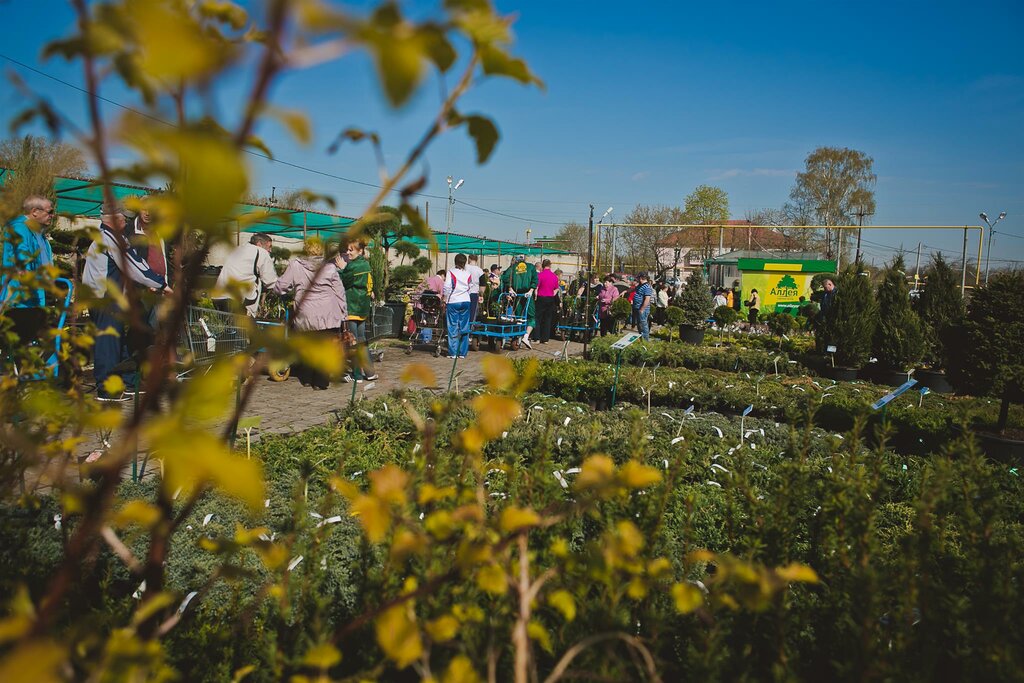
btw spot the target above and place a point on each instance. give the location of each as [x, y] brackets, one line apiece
[288, 407]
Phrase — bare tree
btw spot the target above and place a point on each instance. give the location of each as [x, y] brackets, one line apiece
[33, 163]
[638, 246]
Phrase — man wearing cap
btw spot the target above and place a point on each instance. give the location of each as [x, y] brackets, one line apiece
[26, 250]
[111, 264]
[521, 278]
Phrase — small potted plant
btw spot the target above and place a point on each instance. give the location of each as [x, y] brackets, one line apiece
[697, 305]
[941, 308]
[780, 324]
[898, 342]
[990, 360]
[620, 310]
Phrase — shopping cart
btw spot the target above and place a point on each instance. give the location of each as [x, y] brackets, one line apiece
[575, 323]
[51, 363]
[427, 324]
[508, 326]
[211, 334]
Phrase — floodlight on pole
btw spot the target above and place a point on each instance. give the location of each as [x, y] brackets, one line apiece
[991, 234]
[450, 214]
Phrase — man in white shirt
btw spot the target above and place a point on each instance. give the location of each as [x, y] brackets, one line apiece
[475, 272]
[251, 266]
[457, 302]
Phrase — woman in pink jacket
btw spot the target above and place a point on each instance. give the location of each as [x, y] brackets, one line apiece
[605, 297]
[320, 298]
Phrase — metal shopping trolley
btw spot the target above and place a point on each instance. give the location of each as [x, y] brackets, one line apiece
[576, 323]
[508, 326]
[210, 334]
[427, 325]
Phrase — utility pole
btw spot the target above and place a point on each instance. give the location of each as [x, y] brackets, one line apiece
[963, 275]
[917, 268]
[590, 276]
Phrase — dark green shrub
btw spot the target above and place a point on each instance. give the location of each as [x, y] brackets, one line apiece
[850, 324]
[674, 318]
[780, 323]
[898, 340]
[621, 309]
[990, 343]
[726, 315]
[695, 300]
[940, 306]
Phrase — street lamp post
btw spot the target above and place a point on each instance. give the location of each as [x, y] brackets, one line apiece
[599, 224]
[991, 233]
[450, 215]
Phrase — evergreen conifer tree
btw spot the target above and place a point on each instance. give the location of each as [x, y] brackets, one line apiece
[941, 306]
[899, 338]
[850, 324]
[695, 300]
[990, 344]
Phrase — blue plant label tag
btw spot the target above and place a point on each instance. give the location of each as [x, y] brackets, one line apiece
[890, 396]
[746, 411]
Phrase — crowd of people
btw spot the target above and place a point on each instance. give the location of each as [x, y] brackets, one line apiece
[333, 298]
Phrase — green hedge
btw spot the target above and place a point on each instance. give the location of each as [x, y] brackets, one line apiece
[919, 558]
[681, 355]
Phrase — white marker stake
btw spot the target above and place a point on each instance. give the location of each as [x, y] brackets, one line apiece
[746, 411]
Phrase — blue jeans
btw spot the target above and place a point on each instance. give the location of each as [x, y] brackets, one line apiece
[109, 350]
[458, 328]
[362, 363]
[474, 304]
[643, 325]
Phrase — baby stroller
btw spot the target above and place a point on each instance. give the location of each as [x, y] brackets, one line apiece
[427, 324]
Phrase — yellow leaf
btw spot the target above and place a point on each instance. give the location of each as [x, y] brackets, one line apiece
[374, 515]
[113, 385]
[499, 372]
[443, 629]
[419, 372]
[242, 673]
[514, 518]
[495, 413]
[211, 394]
[399, 636]
[701, 556]
[344, 487]
[460, 670]
[597, 471]
[537, 632]
[563, 601]
[631, 541]
[14, 627]
[388, 483]
[138, 512]
[439, 524]
[172, 46]
[491, 578]
[636, 475]
[637, 588]
[687, 597]
[560, 547]
[35, 660]
[468, 613]
[322, 656]
[472, 439]
[320, 353]
[429, 493]
[658, 567]
[406, 543]
[796, 572]
[297, 124]
[273, 555]
[194, 457]
[104, 419]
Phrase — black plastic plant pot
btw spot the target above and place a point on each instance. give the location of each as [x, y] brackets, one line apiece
[840, 374]
[691, 335]
[893, 378]
[397, 318]
[935, 380]
[1002, 448]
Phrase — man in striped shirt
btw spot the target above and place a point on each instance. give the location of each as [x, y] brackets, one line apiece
[112, 265]
[642, 305]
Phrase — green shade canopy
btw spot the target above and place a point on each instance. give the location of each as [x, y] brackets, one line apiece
[84, 197]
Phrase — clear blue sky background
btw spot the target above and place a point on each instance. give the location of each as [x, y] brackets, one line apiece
[647, 100]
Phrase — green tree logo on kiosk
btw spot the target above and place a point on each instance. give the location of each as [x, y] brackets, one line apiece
[786, 288]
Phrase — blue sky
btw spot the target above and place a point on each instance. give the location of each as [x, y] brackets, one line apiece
[647, 100]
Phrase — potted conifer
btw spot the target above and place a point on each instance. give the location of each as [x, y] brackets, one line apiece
[941, 308]
[697, 305]
[899, 338]
[849, 324]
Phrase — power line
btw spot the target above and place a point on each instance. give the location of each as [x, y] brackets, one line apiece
[261, 155]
